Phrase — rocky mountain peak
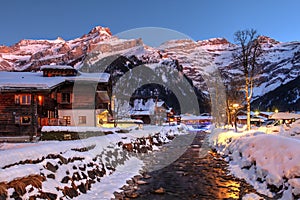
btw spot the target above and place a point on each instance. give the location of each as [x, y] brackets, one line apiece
[101, 31]
[60, 39]
[214, 41]
[267, 40]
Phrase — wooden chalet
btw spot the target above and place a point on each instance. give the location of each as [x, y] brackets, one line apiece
[30, 100]
[58, 70]
[150, 111]
[196, 120]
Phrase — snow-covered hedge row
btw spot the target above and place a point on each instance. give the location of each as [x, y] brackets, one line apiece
[271, 163]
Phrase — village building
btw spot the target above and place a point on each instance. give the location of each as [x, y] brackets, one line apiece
[58, 70]
[59, 95]
[196, 120]
[150, 111]
[255, 118]
[265, 114]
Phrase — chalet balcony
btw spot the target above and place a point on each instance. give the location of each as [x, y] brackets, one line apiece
[53, 122]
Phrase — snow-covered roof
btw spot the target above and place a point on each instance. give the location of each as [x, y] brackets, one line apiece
[140, 112]
[35, 80]
[97, 77]
[266, 113]
[11, 80]
[141, 107]
[285, 115]
[56, 67]
[160, 103]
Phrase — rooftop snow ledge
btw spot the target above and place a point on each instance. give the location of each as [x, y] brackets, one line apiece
[76, 129]
[55, 67]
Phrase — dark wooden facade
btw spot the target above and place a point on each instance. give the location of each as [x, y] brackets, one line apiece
[23, 111]
[49, 71]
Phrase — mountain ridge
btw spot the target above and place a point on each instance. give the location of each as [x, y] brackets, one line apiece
[280, 62]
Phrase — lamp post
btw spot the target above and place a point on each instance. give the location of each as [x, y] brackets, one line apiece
[235, 110]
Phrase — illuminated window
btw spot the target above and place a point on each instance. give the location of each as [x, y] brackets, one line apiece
[67, 119]
[25, 120]
[82, 120]
[24, 99]
[40, 99]
[17, 99]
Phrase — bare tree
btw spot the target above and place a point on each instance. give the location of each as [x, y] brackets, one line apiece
[234, 101]
[247, 58]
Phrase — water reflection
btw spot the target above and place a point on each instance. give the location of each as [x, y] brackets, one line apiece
[195, 177]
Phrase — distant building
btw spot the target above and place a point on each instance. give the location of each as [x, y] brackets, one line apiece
[255, 118]
[266, 115]
[150, 111]
[193, 119]
[58, 70]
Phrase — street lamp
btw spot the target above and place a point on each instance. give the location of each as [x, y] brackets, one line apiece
[235, 105]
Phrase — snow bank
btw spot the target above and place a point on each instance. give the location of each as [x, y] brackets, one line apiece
[271, 163]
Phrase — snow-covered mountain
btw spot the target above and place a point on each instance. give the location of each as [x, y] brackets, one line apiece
[280, 62]
[286, 97]
[27, 55]
[199, 61]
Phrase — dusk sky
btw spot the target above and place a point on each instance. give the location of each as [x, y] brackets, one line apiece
[203, 19]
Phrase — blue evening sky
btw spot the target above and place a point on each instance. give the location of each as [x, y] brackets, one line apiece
[199, 19]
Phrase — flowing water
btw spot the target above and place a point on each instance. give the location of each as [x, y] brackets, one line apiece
[193, 175]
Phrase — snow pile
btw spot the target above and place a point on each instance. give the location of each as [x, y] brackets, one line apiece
[251, 196]
[271, 163]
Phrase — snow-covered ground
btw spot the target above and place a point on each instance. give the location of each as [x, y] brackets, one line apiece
[269, 162]
[71, 167]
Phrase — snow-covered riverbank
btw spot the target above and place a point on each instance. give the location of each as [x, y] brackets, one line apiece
[269, 162]
[71, 168]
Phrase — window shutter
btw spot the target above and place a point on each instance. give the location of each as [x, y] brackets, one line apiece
[59, 97]
[17, 99]
[17, 120]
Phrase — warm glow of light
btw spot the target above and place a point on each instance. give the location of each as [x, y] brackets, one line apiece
[256, 112]
[235, 105]
[40, 99]
[276, 110]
